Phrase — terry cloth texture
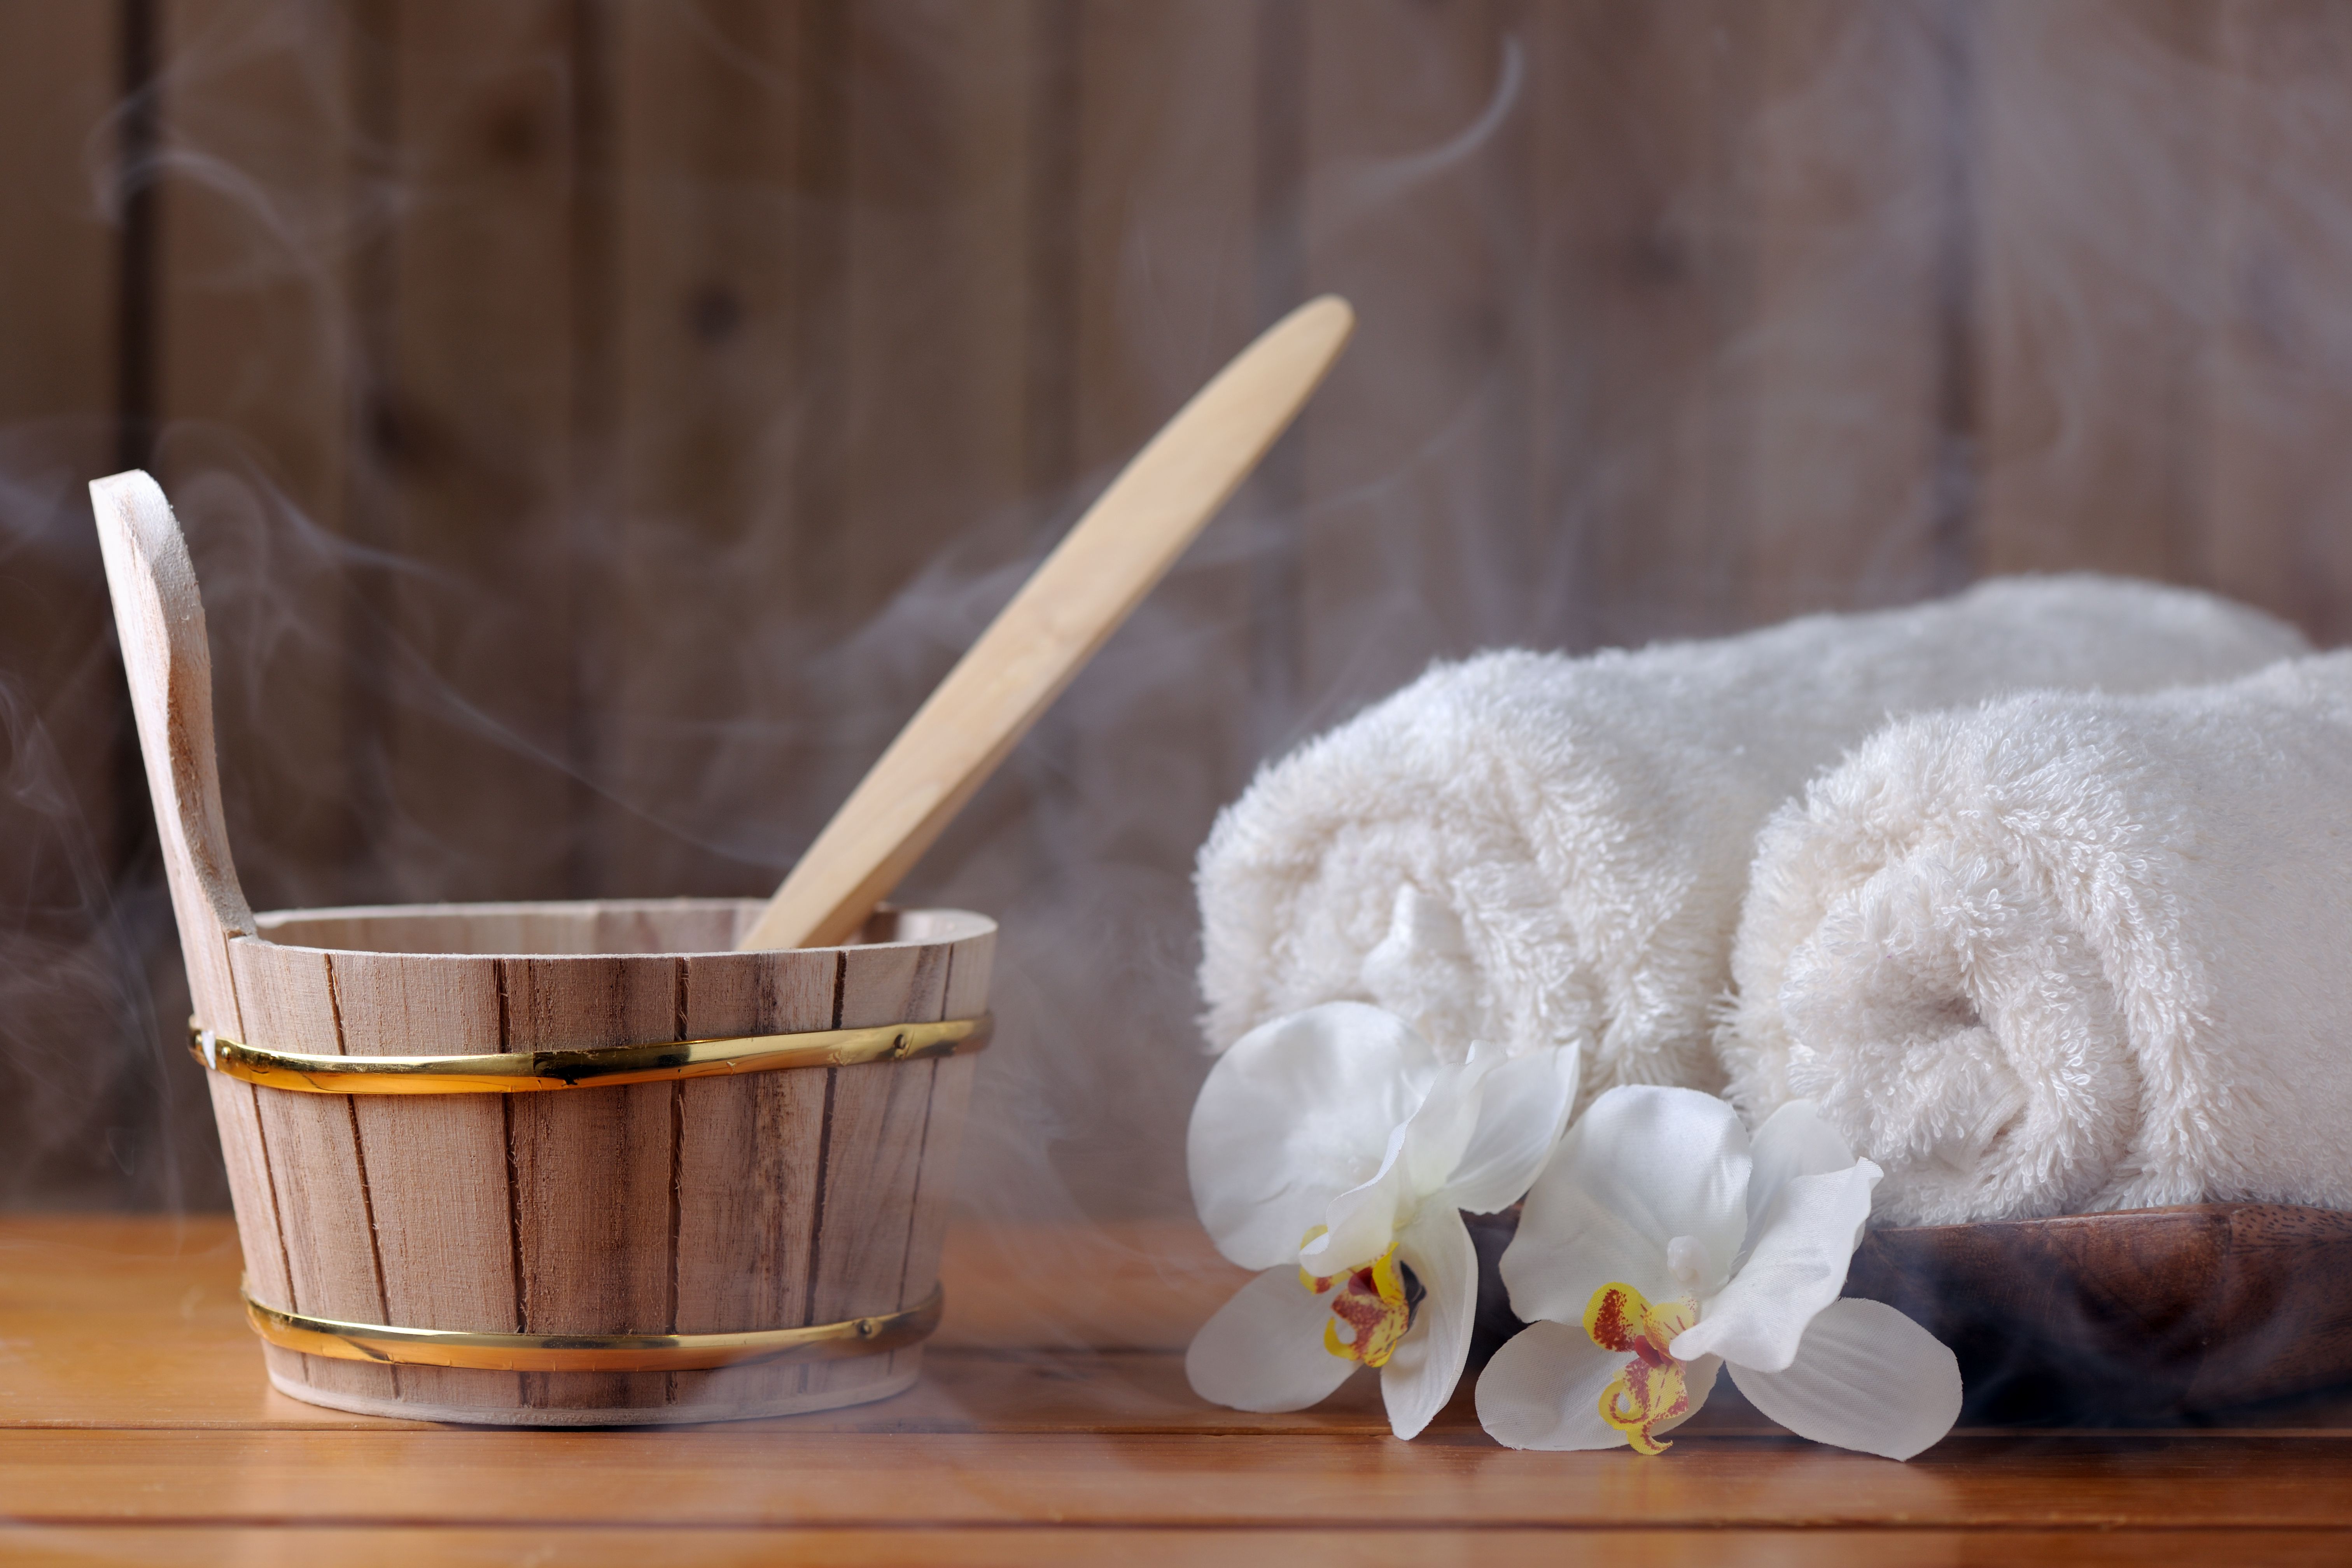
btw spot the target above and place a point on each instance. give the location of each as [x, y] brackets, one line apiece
[2065, 953]
[1529, 850]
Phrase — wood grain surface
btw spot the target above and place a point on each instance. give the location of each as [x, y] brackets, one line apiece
[135, 1425]
[1384, 1547]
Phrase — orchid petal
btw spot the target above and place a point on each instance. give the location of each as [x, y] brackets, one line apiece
[1421, 1376]
[1298, 1112]
[1641, 1167]
[1263, 1349]
[1359, 1224]
[1796, 1267]
[1543, 1390]
[1795, 1141]
[1524, 1105]
[1440, 1129]
[1867, 1378]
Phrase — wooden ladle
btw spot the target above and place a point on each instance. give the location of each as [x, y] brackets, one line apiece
[1090, 583]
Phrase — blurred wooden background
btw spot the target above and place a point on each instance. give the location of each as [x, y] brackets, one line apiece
[599, 421]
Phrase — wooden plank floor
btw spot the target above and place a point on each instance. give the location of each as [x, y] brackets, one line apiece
[1053, 1424]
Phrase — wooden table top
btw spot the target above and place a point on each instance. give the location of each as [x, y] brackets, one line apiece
[1053, 1424]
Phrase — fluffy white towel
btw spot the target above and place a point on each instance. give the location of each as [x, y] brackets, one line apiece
[1531, 849]
[2068, 953]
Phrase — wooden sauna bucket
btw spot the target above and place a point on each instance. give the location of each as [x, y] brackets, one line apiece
[552, 1224]
[685, 1206]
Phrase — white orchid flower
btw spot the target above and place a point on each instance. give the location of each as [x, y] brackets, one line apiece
[1660, 1243]
[1335, 1149]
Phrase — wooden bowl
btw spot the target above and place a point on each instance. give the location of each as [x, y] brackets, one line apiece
[2141, 1315]
[2146, 1315]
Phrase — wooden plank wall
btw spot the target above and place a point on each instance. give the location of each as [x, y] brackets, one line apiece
[599, 421]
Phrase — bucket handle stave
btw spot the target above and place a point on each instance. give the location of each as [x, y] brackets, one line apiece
[159, 619]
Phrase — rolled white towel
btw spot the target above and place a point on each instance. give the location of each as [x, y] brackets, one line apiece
[2066, 953]
[1531, 849]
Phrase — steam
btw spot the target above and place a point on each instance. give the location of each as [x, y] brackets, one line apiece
[93, 1113]
[1665, 332]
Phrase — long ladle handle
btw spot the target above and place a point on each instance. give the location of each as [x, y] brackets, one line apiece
[1085, 588]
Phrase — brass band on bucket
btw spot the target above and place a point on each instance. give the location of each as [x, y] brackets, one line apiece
[606, 1066]
[591, 1352]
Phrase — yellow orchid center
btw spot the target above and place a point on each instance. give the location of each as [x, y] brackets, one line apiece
[1654, 1388]
[1377, 1303]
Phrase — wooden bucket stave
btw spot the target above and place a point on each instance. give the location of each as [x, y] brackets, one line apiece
[698, 1205]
